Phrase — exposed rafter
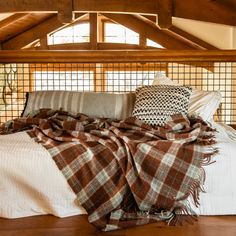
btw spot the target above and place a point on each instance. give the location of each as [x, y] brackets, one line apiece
[217, 11]
[9, 20]
[140, 25]
[199, 43]
[165, 13]
[37, 32]
[65, 11]
[210, 11]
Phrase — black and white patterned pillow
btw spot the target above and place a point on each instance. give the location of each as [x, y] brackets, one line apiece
[154, 104]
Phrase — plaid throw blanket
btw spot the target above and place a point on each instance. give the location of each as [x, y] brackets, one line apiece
[125, 173]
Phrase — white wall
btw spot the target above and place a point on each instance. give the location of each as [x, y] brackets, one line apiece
[221, 36]
[233, 37]
[5, 15]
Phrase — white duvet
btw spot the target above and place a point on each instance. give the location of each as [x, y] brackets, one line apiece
[31, 184]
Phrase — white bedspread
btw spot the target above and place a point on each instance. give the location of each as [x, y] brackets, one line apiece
[220, 184]
[31, 184]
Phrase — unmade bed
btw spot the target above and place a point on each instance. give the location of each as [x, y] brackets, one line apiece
[32, 184]
[47, 192]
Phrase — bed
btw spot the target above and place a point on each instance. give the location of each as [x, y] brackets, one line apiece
[47, 191]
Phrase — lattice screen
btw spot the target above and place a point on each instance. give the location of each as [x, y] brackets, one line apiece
[17, 79]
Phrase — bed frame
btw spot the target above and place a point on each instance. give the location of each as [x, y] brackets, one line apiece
[114, 71]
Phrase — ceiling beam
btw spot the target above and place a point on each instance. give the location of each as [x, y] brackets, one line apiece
[217, 11]
[165, 13]
[9, 20]
[191, 38]
[199, 43]
[144, 27]
[37, 32]
[65, 11]
[29, 6]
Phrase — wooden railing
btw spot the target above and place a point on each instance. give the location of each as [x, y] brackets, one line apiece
[205, 70]
[71, 56]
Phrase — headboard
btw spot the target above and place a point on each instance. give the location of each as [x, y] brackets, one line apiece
[118, 71]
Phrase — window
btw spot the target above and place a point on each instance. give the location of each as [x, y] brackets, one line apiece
[78, 33]
[153, 44]
[114, 33]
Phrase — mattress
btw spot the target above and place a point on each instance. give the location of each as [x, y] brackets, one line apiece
[31, 184]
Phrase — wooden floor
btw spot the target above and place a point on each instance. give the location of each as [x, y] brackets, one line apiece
[78, 225]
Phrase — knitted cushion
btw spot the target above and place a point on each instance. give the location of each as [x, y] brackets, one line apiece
[155, 103]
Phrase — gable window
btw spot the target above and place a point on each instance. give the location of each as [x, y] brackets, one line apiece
[78, 33]
[115, 33]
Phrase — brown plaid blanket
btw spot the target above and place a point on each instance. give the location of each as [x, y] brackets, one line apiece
[125, 173]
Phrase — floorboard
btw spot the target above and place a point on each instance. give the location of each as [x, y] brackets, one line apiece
[78, 225]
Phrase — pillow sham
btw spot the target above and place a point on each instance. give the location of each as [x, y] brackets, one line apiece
[155, 103]
[201, 103]
[100, 105]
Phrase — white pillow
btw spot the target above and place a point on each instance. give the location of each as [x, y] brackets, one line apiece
[201, 103]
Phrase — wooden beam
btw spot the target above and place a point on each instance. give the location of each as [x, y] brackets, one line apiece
[44, 43]
[66, 46]
[9, 20]
[87, 46]
[142, 26]
[29, 6]
[65, 11]
[37, 32]
[142, 41]
[209, 11]
[19, 56]
[217, 11]
[32, 34]
[93, 30]
[165, 8]
[191, 38]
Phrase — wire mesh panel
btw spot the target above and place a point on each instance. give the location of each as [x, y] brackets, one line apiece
[17, 79]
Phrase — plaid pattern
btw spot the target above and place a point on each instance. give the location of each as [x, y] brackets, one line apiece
[125, 173]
